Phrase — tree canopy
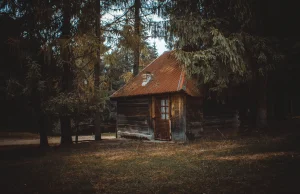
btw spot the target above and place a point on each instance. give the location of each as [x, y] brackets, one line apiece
[66, 57]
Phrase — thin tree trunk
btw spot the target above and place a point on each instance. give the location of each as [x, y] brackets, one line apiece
[97, 70]
[67, 80]
[41, 122]
[43, 126]
[137, 23]
[77, 129]
[128, 66]
[261, 116]
[253, 104]
[66, 135]
[40, 118]
[253, 94]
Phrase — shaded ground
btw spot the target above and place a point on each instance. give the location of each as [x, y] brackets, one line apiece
[264, 164]
[9, 139]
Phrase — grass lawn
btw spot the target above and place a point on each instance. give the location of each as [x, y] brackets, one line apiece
[242, 165]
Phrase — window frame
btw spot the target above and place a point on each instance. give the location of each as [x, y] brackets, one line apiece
[146, 78]
[164, 109]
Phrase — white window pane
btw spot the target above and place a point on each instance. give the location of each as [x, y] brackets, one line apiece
[167, 102]
[162, 109]
[163, 116]
[146, 79]
[162, 102]
[167, 116]
[166, 109]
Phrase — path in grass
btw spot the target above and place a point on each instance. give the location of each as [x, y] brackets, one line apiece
[245, 165]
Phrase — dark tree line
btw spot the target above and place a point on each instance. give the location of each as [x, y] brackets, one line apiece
[233, 42]
[58, 65]
[62, 59]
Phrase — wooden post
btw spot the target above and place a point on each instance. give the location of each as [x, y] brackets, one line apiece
[184, 116]
[170, 117]
[76, 138]
[153, 115]
[117, 120]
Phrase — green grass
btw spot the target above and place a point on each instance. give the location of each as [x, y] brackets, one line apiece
[243, 165]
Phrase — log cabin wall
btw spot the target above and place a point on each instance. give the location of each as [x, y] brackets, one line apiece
[178, 117]
[194, 116]
[133, 118]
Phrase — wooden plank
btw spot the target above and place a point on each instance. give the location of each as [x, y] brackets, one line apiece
[134, 100]
[117, 120]
[184, 116]
[170, 116]
[153, 107]
[133, 116]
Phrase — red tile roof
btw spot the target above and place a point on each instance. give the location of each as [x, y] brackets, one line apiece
[167, 76]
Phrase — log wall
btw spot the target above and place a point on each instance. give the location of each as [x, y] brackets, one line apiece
[133, 118]
[190, 117]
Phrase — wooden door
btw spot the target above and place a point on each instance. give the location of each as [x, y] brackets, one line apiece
[162, 118]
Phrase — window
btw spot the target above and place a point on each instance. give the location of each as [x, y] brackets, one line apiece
[164, 106]
[146, 78]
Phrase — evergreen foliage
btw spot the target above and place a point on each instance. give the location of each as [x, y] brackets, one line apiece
[69, 56]
[218, 41]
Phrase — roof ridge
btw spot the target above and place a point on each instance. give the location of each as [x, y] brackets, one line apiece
[152, 62]
[169, 76]
[138, 74]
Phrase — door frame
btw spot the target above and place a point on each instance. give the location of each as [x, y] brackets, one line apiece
[154, 116]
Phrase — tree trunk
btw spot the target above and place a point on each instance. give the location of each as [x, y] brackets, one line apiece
[67, 79]
[77, 130]
[97, 70]
[66, 134]
[97, 126]
[261, 116]
[43, 126]
[40, 118]
[252, 105]
[137, 23]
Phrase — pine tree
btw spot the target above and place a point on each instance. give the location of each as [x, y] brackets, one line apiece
[220, 43]
[97, 68]
[32, 81]
[67, 77]
[137, 15]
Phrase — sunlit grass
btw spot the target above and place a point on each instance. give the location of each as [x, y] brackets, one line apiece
[110, 134]
[114, 166]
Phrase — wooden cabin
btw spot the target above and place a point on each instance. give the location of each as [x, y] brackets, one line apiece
[161, 103]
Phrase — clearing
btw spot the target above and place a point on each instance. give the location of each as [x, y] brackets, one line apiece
[263, 164]
[12, 138]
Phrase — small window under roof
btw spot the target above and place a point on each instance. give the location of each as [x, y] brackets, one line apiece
[146, 78]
